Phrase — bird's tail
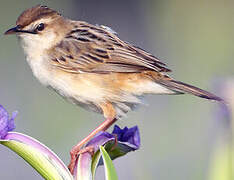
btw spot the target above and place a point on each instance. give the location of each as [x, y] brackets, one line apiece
[181, 87]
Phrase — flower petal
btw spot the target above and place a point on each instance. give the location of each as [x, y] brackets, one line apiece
[6, 124]
[128, 135]
[83, 169]
[11, 122]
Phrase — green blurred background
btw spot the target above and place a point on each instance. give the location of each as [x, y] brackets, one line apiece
[179, 134]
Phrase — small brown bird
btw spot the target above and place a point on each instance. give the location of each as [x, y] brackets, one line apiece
[90, 66]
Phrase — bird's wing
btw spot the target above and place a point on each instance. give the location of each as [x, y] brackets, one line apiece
[97, 49]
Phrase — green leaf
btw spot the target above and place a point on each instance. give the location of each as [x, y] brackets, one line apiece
[110, 172]
[95, 161]
[40, 157]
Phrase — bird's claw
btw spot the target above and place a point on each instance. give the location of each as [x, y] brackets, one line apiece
[75, 152]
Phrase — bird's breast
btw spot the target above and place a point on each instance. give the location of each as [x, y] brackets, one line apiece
[73, 86]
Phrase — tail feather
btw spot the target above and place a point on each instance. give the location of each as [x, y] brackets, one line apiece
[181, 87]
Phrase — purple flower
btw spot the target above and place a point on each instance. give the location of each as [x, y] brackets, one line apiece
[6, 123]
[128, 135]
[118, 143]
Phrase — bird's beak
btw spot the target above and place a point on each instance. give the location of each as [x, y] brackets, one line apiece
[17, 29]
[13, 30]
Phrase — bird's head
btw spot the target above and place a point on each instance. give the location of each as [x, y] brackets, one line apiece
[39, 27]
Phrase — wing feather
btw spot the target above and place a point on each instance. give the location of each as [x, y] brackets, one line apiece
[97, 49]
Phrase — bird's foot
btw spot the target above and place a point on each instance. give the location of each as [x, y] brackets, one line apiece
[75, 152]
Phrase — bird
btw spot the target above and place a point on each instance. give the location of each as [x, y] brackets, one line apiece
[90, 66]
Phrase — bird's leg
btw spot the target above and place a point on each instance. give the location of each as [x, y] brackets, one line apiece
[76, 150]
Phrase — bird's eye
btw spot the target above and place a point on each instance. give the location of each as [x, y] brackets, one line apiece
[40, 27]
